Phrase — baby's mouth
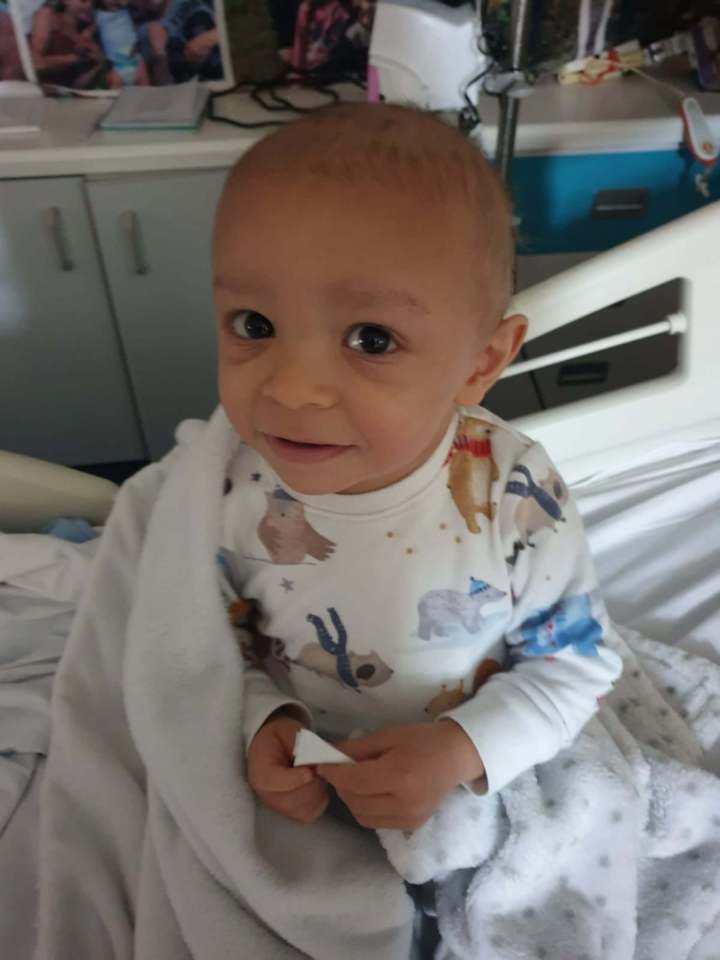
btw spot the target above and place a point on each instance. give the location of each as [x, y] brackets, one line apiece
[300, 451]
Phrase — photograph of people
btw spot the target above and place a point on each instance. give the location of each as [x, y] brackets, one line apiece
[64, 46]
[109, 44]
[11, 67]
[118, 39]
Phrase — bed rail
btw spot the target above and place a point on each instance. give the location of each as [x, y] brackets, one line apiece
[32, 492]
[601, 432]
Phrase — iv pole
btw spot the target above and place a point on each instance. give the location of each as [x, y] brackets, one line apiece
[509, 105]
[507, 121]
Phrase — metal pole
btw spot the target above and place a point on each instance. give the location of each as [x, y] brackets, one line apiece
[509, 106]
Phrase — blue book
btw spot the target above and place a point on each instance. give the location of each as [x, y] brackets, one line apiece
[176, 107]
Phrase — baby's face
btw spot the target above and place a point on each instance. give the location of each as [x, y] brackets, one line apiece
[349, 324]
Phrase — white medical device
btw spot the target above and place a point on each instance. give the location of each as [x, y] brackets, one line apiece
[424, 53]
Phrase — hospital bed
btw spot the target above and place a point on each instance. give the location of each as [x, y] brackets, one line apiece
[643, 462]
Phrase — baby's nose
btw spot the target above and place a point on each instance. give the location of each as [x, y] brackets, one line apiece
[301, 382]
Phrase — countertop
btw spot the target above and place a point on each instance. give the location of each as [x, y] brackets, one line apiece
[622, 115]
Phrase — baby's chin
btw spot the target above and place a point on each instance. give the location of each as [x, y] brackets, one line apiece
[346, 472]
[314, 484]
[317, 482]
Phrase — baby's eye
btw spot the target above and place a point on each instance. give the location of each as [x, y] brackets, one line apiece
[249, 325]
[370, 339]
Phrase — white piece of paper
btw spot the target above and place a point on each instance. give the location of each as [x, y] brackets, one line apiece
[310, 748]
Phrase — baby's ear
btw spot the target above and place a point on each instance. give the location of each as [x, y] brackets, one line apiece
[497, 354]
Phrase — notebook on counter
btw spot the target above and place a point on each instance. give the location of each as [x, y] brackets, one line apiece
[177, 107]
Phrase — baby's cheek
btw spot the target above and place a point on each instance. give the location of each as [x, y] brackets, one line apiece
[237, 421]
[235, 403]
[393, 448]
[412, 434]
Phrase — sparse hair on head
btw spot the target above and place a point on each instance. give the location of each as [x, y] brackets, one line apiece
[406, 149]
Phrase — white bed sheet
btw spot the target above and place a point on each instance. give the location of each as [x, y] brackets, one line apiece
[654, 530]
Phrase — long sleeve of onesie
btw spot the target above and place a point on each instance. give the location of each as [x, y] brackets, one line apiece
[559, 664]
[262, 698]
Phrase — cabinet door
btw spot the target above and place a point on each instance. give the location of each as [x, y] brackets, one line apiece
[64, 392]
[596, 201]
[154, 233]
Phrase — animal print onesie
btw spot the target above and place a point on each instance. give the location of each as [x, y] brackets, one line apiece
[464, 590]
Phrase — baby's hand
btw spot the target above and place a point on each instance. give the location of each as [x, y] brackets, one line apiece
[403, 773]
[295, 792]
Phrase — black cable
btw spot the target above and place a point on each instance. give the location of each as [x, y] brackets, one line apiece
[218, 94]
[211, 115]
[471, 83]
[494, 40]
[469, 117]
[280, 105]
[283, 105]
[315, 80]
[482, 39]
[325, 75]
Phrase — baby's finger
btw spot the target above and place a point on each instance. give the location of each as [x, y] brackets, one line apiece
[275, 778]
[385, 805]
[385, 813]
[307, 795]
[371, 746]
[311, 794]
[368, 778]
[312, 813]
[304, 805]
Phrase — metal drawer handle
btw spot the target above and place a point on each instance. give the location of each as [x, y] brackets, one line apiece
[54, 221]
[131, 222]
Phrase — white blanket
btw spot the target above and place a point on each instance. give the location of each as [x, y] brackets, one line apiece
[611, 850]
[40, 582]
[152, 845]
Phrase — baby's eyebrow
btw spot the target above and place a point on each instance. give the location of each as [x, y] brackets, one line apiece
[350, 294]
[345, 293]
[240, 283]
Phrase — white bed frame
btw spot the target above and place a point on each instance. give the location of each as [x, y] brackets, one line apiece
[602, 433]
[594, 435]
[32, 492]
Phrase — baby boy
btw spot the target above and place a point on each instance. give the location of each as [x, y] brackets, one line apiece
[401, 562]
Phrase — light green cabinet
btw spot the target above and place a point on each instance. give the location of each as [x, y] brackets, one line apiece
[64, 388]
[154, 233]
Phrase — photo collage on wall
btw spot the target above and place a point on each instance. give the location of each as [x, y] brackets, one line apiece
[314, 34]
[324, 39]
[105, 45]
